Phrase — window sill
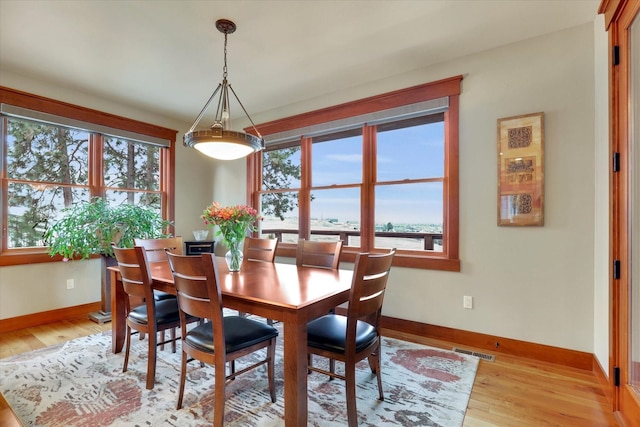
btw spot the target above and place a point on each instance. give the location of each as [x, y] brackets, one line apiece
[27, 256]
[399, 260]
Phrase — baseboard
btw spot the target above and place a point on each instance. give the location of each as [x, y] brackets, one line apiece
[42, 318]
[493, 344]
[603, 379]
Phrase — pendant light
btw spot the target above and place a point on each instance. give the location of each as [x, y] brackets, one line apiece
[219, 142]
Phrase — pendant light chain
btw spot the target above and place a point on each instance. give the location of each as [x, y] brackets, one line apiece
[224, 69]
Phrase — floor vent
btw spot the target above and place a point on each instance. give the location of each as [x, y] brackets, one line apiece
[483, 356]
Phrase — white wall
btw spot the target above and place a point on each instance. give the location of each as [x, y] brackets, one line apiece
[534, 284]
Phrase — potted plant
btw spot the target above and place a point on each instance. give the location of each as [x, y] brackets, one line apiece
[89, 228]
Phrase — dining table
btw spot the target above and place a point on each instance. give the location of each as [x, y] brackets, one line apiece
[284, 292]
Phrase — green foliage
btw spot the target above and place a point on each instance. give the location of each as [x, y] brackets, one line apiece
[88, 228]
[278, 172]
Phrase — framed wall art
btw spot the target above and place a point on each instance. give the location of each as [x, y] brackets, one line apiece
[521, 170]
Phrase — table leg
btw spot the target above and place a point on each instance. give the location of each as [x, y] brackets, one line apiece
[295, 370]
[118, 323]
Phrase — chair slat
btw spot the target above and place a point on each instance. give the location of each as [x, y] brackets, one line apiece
[257, 249]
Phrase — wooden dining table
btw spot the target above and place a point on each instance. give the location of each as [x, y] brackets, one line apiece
[285, 292]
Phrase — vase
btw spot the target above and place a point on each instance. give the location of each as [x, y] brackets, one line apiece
[234, 255]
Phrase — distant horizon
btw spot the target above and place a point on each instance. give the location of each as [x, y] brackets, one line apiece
[327, 223]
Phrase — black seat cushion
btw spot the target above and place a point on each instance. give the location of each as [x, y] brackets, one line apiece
[240, 333]
[160, 295]
[166, 312]
[329, 332]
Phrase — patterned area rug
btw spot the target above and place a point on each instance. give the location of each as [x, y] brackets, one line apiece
[81, 383]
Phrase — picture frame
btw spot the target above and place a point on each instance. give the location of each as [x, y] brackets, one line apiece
[521, 170]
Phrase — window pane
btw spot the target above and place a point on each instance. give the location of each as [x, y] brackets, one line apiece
[46, 153]
[280, 216]
[31, 207]
[116, 197]
[408, 214]
[337, 160]
[281, 169]
[411, 152]
[335, 215]
[131, 164]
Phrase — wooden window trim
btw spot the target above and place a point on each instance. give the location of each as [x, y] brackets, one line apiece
[451, 88]
[34, 102]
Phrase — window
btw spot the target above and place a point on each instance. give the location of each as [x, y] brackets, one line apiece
[55, 154]
[376, 173]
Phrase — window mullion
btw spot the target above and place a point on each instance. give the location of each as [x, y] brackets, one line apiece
[367, 196]
[96, 165]
[304, 197]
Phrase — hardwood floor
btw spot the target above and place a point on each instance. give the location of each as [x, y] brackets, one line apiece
[511, 391]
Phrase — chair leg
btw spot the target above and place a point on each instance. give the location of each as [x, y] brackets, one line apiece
[162, 340]
[126, 351]
[350, 377]
[332, 368]
[183, 375]
[218, 409]
[151, 361]
[173, 339]
[271, 354]
[373, 363]
[378, 370]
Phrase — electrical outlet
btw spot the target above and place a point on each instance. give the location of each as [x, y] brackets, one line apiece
[467, 302]
[70, 284]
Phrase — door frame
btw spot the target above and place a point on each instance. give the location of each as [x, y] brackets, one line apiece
[619, 15]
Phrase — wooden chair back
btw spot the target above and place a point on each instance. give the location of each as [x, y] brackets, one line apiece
[370, 275]
[311, 253]
[196, 281]
[156, 248]
[136, 276]
[257, 249]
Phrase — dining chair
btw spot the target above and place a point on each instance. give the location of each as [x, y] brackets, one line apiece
[156, 252]
[156, 248]
[150, 317]
[223, 338]
[311, 253]
[356, 336]
[258, 249]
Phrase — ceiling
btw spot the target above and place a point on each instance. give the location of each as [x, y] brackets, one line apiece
[166, 56]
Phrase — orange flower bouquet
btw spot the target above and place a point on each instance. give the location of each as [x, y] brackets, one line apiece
[233, 224]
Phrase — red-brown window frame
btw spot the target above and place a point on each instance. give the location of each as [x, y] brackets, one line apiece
[450, 88]
[51, 106]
